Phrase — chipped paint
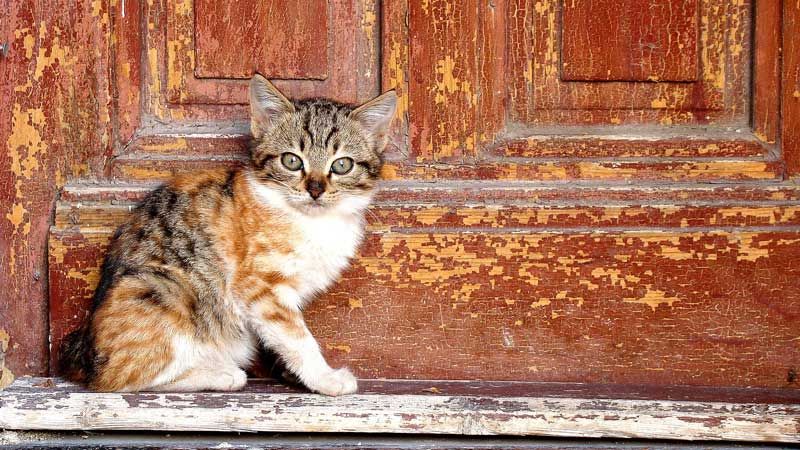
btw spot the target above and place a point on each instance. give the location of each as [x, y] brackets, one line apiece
[55, 54]
[25, 137]
[339, 347]
[447, 83]
[368, 25]
[355, 303]
[555, 66]
[653, 299]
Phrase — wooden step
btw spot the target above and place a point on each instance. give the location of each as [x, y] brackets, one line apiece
[664, 285]
[421, 407]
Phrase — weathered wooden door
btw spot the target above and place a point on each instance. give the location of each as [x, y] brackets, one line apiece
[589, 191]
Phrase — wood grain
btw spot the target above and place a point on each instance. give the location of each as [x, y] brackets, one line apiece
[395, 71]
[632, 145]
[443, 94]
[127, 69]
[56, 405]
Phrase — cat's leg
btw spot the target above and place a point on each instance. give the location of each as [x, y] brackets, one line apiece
[281, 328]
[229, 378]
[145, 340]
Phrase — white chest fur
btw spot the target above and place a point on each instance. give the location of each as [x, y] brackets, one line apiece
[325, 244]
[322, 243]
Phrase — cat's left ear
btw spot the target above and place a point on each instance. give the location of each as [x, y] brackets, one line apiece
[266, 104]
[376, 115]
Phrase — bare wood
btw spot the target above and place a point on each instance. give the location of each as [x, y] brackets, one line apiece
[43, 404]
[6, 377]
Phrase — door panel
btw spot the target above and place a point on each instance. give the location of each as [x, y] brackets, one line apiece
[636, 61]
[280, 39]
[322, 48]
[616, 228]
[629, 40]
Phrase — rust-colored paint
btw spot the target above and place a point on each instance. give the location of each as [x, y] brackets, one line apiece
[790, 100]
[632, 146]
[55, 124]
[159, 166]
[503, 236]
[281, 39]
[394, 70]
[539, 94]
[479, 192]
[629, 40]
[700, 293]
[767, 69]
[492, 71]
[126, 16]
[443, 92]
[349, 51]
[592, 170]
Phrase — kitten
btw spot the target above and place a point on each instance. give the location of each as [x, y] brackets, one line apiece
[215, 263]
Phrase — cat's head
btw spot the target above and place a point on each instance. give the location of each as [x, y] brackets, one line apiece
[317, 154]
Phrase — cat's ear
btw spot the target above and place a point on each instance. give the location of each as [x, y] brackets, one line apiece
[376, 115]
[266, 104]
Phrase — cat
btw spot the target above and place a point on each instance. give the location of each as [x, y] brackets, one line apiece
[213, 264]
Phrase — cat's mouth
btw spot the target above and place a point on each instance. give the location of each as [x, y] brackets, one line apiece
[312, 206]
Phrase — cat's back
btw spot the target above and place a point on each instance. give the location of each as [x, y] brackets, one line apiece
[170, 230]
[181, 209]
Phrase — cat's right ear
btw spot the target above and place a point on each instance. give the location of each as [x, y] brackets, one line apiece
[266, 104]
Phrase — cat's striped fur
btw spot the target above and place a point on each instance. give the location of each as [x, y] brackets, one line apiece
[214, 264]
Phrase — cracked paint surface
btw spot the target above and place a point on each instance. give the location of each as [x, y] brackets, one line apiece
[677, 304]
[656, 77]
[55, 125]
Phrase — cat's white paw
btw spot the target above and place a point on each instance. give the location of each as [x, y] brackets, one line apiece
[336, 382]
[232, 380]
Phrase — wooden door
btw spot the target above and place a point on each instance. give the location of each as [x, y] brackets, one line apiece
[576, 191]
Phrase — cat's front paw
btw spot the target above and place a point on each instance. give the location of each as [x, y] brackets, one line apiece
[336, 382]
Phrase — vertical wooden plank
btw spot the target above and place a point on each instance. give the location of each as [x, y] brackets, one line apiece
[127, 36]
[55, 123]
[443, 85]
[394, 69]
[492, 66]
[790, 99]
[766, 69]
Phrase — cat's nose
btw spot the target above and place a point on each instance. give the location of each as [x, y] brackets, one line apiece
[315, 188]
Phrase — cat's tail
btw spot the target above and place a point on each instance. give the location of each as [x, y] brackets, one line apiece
[76, 360]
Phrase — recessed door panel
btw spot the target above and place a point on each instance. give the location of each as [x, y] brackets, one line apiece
[283, 39]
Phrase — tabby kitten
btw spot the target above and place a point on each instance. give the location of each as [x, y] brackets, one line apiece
[214, 263]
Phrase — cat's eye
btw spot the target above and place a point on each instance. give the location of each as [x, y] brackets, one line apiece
[291, 161]
[341, 166]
